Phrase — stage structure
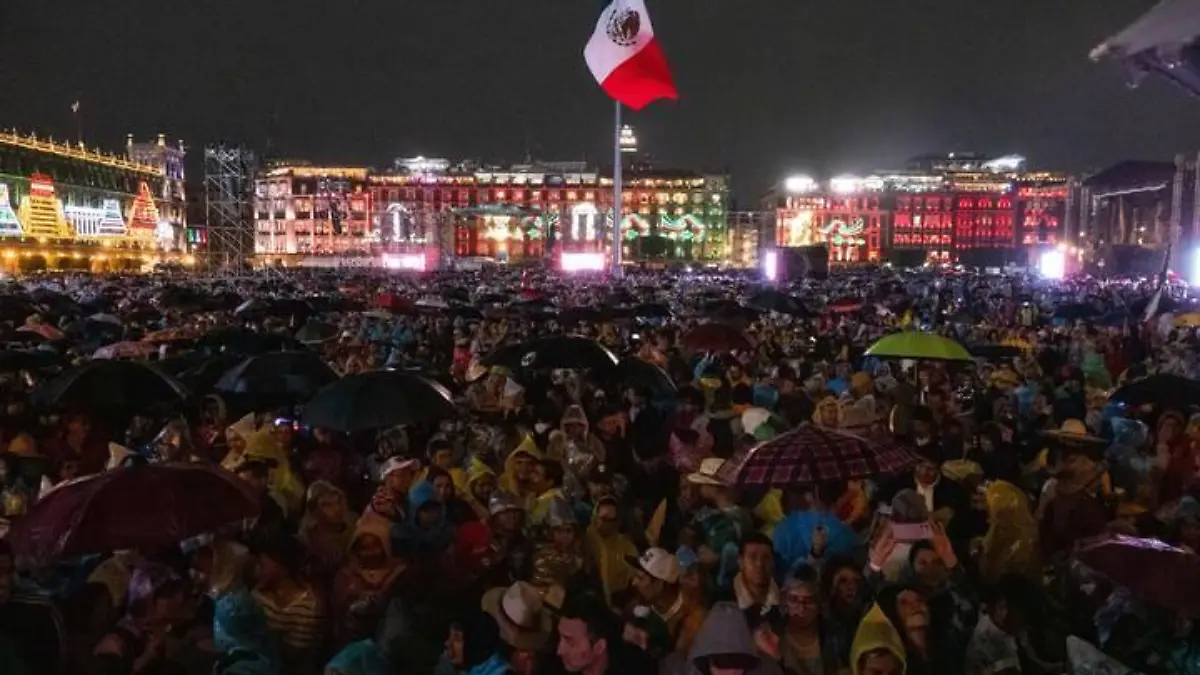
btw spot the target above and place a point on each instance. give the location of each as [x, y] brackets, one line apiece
[228, 187]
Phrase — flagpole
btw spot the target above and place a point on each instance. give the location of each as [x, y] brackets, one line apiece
[616, 207]
[78, 123]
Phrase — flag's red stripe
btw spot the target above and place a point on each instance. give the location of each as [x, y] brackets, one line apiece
[642, 78]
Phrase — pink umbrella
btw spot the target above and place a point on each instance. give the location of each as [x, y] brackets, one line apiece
[125, 350]
[47, 331]
[141, 507]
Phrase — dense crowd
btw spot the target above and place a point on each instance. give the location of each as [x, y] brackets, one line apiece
[669, 474]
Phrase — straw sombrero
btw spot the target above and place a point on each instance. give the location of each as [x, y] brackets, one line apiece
[1074, 432]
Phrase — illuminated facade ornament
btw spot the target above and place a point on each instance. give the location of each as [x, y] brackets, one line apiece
[583, 222]
[41, 213]
[143, 214]
[105, 221]
[9, 224]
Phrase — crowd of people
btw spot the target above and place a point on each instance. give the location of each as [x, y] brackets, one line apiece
[568, 516]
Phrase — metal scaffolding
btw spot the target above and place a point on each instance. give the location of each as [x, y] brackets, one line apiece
[229, 208]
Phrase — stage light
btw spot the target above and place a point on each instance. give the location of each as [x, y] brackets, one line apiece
[583, 262]
[1194, 277]
[1053, 265]
[771, 265]
[413, 262]
[845, 184]
[800, 184]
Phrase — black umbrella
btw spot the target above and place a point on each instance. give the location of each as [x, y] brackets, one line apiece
[316, 331]
[994, 351]
[297, 310]
[729, 311]
[247, 342]
[12, 360]
[1168, 390]
[377, 400]
[772, 300]
[16, 307]
[573, 315]
[634, 372]
[619, 297]
[198, 371]
[652, 310]
[277, 378]
[465, 312]
[182, 297]
[552, 352]
[126, 386]
[1076, 311]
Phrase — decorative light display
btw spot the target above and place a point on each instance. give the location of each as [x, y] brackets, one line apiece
[164, 233]
[498, 228]
[41, 212]
[143, 215]
[798, 230]
[8, 217]
[583, 221]
[105, 221]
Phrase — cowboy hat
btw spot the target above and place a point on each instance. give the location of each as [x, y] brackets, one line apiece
[519, 610]
[1074, 432]
[707, 475]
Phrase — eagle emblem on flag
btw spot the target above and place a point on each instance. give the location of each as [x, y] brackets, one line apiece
[624, 24]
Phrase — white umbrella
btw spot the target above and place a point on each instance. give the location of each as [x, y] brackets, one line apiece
[1170, 25]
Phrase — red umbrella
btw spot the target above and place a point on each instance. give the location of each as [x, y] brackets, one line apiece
[811, 454]
[1153, 571]
[716, 337]
[141, 507]
[394, 303]
[845, 305]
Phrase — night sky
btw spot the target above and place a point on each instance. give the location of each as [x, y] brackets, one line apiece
[766, 86]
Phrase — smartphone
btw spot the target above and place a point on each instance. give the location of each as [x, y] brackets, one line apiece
[912, 531]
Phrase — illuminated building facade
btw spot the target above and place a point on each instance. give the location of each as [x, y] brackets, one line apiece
[65, 206]
[309, 210]
[514, 214]
[958, 207]
[171, 196]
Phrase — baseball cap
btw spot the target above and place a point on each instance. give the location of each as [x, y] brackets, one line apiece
[397, 464]
[657, 563]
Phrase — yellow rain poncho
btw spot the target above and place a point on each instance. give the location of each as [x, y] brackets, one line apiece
[770, 511]
[1011, 543]
[610, 557]
[875, 632]
[477, 470]
[247, 441]
[508, 480]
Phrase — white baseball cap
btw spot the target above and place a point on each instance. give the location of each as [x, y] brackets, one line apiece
[657, 563]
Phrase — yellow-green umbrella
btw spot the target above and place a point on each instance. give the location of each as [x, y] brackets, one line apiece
[911, 344]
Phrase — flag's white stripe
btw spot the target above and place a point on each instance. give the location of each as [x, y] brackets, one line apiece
[602, 54]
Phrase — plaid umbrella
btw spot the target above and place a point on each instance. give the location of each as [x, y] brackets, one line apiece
[811, 454]
[1153, 571]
